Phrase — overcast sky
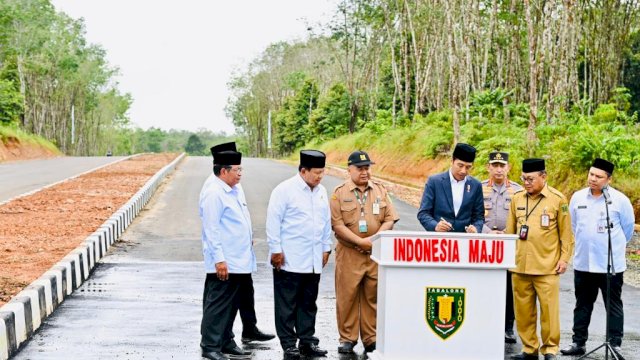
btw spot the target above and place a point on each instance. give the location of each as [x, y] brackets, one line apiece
[176, 57]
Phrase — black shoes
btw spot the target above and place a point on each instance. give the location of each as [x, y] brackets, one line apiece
[311, 350]
[549, 356]
[370, 348]
[509, 337]
[237, 353]
[525, 356]
[346, 347]
[256, 335]
[214, 355]
[291, 353]
[617, 350]
[574, 349]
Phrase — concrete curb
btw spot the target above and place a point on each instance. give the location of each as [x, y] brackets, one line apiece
[25, 312]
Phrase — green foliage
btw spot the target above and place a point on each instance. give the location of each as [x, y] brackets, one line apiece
[631, 71]
[10, 103]
[13, 133]
[194, 146]
[331, 118]
[293, 118]
[488, 103]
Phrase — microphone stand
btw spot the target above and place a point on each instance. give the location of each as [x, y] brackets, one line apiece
[610, 271]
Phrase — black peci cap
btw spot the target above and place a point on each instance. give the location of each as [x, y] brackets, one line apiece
[532, 165]
[464, 152]
[312, 159]
[604, 165]
[227, 158]
[229, 146]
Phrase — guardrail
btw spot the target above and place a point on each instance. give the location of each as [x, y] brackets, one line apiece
[26, 311]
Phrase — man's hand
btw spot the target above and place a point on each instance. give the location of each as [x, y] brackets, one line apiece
[277, 260]
[325, 258]
[497, 232]
[364, 245]
[471, 229]
[444, 226]
[222, 271]
[561, 267]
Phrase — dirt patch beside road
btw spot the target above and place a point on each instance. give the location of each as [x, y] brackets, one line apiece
[39, 230]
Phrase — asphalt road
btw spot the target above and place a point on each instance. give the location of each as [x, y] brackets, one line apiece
[144, 300]
[20, 177]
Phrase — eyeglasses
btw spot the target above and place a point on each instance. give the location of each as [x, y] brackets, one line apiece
[528, 180]
[238, 169]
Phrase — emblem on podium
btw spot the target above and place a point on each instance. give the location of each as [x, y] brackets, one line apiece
[444, 310]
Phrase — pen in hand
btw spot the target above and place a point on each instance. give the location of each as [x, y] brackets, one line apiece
[444, 225]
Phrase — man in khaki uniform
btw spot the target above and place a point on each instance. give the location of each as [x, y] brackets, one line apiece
[497, 192]
[360, 208]
[540, 216]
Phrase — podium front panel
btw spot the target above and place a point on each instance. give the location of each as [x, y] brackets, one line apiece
[441, 310]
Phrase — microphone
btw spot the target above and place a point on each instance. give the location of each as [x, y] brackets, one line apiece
[605, 193]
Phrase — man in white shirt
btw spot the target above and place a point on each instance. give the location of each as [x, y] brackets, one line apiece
[588, 209]
[228, 253]
[299, 237]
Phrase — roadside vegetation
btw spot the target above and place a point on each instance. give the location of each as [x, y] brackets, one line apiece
[14, 137]
[407, 80]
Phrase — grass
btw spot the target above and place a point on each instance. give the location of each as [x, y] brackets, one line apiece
[411, 153]
[13, 134]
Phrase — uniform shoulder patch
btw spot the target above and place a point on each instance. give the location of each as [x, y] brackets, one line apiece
[564, 208]
[334, 196]
[556, 192]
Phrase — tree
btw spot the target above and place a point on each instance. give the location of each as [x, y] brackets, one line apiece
[194, 146]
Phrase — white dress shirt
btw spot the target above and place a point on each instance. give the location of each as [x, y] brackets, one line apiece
[457, 191]
[299, 225]
[588, 220]
[226, 227]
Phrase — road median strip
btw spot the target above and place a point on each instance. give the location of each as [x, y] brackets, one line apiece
[26, 311]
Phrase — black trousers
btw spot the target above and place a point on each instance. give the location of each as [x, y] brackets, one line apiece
[295, 298]
[247, 308]
[221, 300]
[586, 288]
[509, 315]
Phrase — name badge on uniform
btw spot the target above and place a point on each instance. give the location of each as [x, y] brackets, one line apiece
[524, 232]
[602, 226]
[362, 225]
[544, 220]
[376, 208]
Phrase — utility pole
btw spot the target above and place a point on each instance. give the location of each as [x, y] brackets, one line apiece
[269, 134]
[73, 125]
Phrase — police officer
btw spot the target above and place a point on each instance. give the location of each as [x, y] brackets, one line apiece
[497, 192]
[228, 253]
[589, 213]
[540, 216]
[360, 208]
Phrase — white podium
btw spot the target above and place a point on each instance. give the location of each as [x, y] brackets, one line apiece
[441, 295]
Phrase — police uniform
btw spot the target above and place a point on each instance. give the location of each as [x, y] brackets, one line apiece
[549, 239]
[356, 276]
[497, 201]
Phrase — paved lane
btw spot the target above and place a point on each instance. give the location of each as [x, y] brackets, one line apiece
[17, 178]
[144, 300]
